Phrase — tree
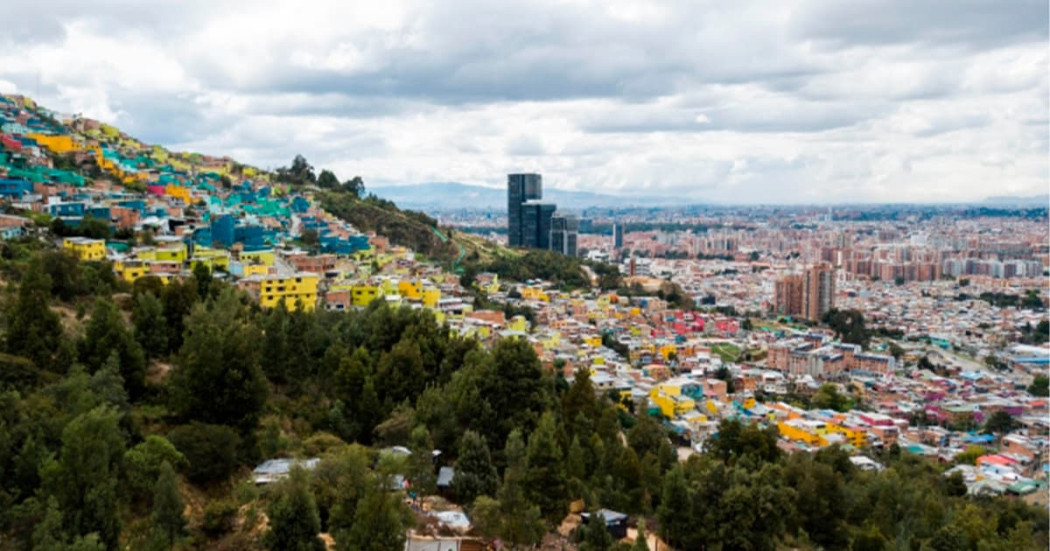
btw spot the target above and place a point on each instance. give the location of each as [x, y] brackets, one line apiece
[355, 186]
[516, 520]
[546, 469]
[84, 478]
[379, 523]
[327, 180]
[34, 331]
[167, 515]
[149, 327]
[421, 462]
[106, 334]
[211, 450]
[218, 379]
[143, 462]
[475, 473]
[1040, 386]
[1000, 423]
[675, 506]
[640, 543]
[294, 522]
[596, 536]
[828, 397]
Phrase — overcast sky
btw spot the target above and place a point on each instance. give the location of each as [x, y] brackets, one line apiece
[723, 101]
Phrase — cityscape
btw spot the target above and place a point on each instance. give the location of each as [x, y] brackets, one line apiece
[527, 305]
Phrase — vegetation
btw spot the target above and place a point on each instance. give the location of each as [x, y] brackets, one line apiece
[165, 398]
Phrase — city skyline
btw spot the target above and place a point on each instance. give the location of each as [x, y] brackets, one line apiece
[800, 103]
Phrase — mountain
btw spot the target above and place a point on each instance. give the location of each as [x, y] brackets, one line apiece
[454, 195]
[1018, 201]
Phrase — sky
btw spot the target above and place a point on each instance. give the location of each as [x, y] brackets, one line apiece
[708, 101]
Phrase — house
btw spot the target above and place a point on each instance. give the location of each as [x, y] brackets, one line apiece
[615, 523]
[84, 248]
[276, 469]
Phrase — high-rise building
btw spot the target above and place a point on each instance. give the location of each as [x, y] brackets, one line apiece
[787, 295]
[565, 233]
[808, 295]
[617, 235]
[819, 291]
[520, 189]
[536, 224]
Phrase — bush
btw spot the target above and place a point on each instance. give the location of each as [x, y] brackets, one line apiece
[219, 516]
[210, 449]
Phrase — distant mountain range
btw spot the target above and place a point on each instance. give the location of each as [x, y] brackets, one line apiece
[453, 195]
[1024, 201]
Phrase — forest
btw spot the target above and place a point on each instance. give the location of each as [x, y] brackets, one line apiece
[132, 415]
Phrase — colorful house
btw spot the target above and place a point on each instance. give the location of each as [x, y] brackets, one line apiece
[84, 248]
[293, 290]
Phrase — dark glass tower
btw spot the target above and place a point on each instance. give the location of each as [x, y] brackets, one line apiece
[565, 232]
[521, 188]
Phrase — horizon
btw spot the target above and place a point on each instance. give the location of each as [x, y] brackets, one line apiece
[793, 109]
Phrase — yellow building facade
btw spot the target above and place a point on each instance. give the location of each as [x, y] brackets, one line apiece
[84, 248]
[292, 290]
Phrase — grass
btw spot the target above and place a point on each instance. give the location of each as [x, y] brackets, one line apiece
[728, 352]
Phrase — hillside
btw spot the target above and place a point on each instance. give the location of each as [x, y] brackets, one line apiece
[84, 152]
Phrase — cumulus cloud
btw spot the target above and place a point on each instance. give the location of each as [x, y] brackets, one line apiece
[743, 102]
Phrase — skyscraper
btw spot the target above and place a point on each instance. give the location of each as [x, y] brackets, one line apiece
[536, 224]
[521, 188]
[617, 235]
[565, 233]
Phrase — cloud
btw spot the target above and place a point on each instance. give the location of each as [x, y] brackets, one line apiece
[751, 101]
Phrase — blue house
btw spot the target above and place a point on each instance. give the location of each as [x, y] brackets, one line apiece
[64, 210]
[15, 187]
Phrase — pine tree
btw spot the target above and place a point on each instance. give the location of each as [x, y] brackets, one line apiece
[639, 541]
[421, 462]
[218, 379]
[675, 507]
[379, 523]
[84, 478]
[106, 334]
[149, 326]
[475, 473]
[168, 516]
[597, 536]
[34, 331]
[294, 522]
[546, 470]
[521, 521]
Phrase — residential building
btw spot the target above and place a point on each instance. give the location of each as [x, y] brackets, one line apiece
[84, 248]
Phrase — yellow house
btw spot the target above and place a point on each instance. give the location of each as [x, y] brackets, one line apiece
[249, 270]
[518, 323]
[857, 437]
[534, 293]
[431, 296]
[84, 248]
[671, 406]
[265, 257]
[132, 270]
[362, 294]
[216, 259]
[802, 431]
[57, 144]
[301, 287]
[411, 290]
[178, 192]
[594, 341]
